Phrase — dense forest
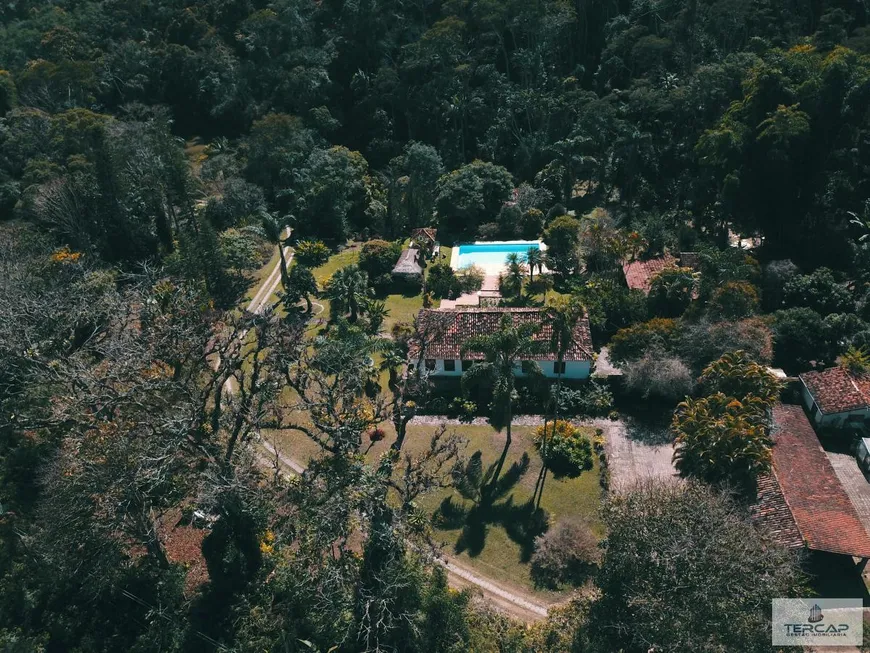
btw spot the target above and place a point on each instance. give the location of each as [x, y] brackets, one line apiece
[152, 155]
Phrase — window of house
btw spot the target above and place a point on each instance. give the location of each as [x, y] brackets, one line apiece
[559, 368]
[450, 365]
[430, 364]
[467, 365]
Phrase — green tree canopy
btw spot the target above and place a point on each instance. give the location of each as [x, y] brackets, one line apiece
[671, 548]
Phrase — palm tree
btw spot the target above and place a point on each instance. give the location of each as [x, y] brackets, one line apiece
[516, 271]
[274, 233]
[502, 350]
[348, 291]
[534, 257]
[392, 359]
[562, 317]
[299, 284]
[377, 312]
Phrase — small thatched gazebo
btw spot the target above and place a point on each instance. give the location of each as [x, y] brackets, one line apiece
[408, 267]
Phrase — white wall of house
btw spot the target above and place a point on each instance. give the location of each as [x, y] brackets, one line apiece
[830, 420]
[573, 369]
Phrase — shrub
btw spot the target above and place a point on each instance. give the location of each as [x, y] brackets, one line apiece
[658, 374]
[820, 292]
[470, 278]
[461, 409]
[722, 440]
[240, 200]
[242, 248]
[382, 283]
[567, 451]
[736, 375]
[856, 360]
[378, 257]
[311, 253]
[541, 284]
[734, 300]
[488, 231]
[703, 342]
[592, 400]
[776, 275]
[802, 337]
[671, 291]
[442, 281]
[612, 306]
[532, 223]
[567, 553]
[633, 342]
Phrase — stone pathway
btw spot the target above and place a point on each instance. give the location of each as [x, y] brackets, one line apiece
[603, 366]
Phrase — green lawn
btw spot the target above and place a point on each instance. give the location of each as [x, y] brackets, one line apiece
[342, 259]
[500, 548]
[402, 307]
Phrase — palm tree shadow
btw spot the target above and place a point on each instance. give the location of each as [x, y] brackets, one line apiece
[492, 503]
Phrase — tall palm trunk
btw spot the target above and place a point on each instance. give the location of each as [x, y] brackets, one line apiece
[561, 359]
[283, 262]
[507, 441]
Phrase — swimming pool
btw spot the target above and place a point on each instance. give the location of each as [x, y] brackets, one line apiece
[491, 256]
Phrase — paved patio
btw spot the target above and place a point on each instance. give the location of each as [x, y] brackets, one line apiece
[637, 453]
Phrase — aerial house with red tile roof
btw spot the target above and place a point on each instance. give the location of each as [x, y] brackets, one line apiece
[640, 273]
[445, 332]
[801, 502]
[836, 397]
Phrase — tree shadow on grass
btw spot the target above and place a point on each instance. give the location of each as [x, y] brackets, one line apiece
[491, 504]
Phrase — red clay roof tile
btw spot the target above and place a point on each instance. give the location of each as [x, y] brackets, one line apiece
[770, 511]
[821, 509]
[639, 274]
[450, 330]
[836, 390]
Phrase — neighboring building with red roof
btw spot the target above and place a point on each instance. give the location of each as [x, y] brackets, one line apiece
[442, 333]
[639, 273]
[801, 502]
[836, 397]
[424, 238]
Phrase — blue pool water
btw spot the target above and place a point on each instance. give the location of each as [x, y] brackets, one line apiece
[491, 255]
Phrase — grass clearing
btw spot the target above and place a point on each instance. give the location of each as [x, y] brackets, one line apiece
[502, 550]
[402, 307]
[344, 258]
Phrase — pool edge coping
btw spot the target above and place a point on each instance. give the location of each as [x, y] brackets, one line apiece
[454, 251]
